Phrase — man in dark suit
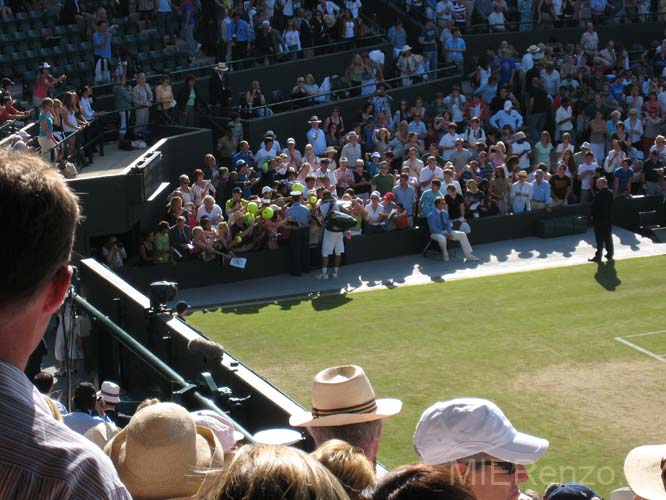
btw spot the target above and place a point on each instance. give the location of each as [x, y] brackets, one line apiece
[180, 237]
[219, 92]
[602, 208]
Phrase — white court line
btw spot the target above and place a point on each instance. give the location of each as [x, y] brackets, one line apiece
[641, 334]
[640, 349]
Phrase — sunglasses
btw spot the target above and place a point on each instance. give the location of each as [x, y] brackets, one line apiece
[507, 467]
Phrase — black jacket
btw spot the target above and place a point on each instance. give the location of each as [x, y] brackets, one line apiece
[218, 90]
[184, 94]
[602, 206]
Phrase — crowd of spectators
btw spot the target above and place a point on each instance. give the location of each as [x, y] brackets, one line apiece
[527, 136]
[467, 449]
[479, 16]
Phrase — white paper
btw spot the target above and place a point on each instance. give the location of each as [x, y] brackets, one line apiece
[238, 262]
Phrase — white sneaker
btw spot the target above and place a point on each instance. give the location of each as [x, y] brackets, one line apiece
[334, 276]
[471, 258]
[321, 276]
[445, 257]
[198, 48]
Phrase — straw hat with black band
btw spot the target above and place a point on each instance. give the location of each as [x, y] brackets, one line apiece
[162, 453]
[343, 395]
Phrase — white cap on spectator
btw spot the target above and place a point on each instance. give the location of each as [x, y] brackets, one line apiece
[221, 425]
[291, 140]
[110, 392]
[19, 145]
[644, 469]
[23, 134]
[265, 22]
[585, 145]
[375, 194]
[266, 189]
[508, 105]
[460, 428]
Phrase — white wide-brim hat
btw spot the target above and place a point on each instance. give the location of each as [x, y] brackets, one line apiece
[645, 470]
[343, 395]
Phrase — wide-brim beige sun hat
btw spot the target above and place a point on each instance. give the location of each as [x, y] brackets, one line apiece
[343, 395]
[162, 453]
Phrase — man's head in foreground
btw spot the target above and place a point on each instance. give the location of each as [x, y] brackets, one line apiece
[40, 214]
[474, 438]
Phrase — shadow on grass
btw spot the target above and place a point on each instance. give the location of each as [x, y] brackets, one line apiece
[606, 276]
[319, 303]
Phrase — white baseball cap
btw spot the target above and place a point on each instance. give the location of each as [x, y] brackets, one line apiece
[459, 428]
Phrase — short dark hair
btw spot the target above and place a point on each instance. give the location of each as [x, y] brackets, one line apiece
[85, 396]
[40, 214]
[43, 381]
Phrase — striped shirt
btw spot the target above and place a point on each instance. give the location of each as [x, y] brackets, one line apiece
[41, 458]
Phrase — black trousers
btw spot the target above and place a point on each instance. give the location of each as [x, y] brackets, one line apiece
[299, 251]
[604, 236]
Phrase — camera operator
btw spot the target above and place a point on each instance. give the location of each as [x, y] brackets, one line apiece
[114, 253]
[88, 410]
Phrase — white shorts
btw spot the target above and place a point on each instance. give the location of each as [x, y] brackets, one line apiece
[333, 242]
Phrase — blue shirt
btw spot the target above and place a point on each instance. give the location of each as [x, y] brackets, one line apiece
[438, 222]
[541, 192]
[398, 38]
[623, 176]
[187, 7]
[82, 422]
[48, 118]
[454, 44]
[429, 40]
[240, 156]
[242, 34]
[98, 39]
[419, 128]
[405, 197]
[428, 201]
[299, 214]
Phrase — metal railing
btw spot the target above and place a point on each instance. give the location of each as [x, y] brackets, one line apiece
[152, 361]
[434, 74]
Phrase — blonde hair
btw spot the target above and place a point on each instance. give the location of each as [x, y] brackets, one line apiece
[197, 231]
[145, 404]
[222, 225]
[348, 464]
[267, 472]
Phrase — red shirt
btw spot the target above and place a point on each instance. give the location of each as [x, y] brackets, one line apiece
[6, 113]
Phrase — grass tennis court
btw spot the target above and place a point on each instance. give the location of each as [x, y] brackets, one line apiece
[540, 344]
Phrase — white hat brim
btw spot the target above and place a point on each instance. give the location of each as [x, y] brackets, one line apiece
[107, 398]
[642, 468]
[387, 407]
[522, 449]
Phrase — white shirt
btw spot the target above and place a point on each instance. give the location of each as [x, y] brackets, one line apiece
[447, 141]
[452, 182]
[353, 6]
[523, 159]
[215, 214]
[527, 62]
[291, 38]
[566, 115]
[586, 182]
[88, 112]
[551, 81]
[328, 173]
[496, 20]
[427, 174]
